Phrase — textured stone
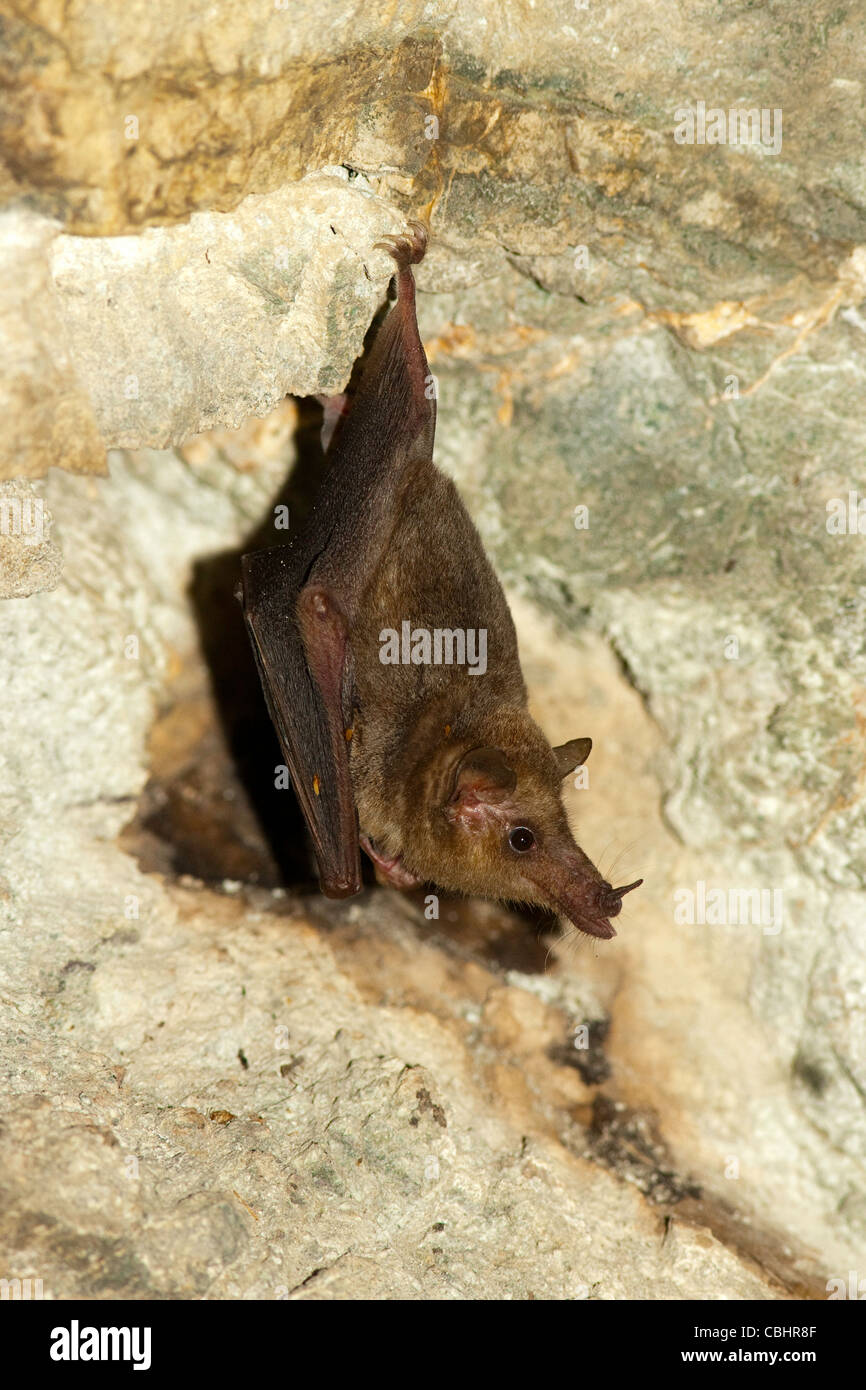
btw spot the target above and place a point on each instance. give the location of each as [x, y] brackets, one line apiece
[221, 1091]
[45, 406]
[546, 138]
[29, 559]
[668, 336]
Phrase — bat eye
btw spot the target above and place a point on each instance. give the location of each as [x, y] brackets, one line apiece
[521, 839]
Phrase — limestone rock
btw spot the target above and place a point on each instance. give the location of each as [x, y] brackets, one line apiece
[45, 404]
[219, 1091]
[29, 560]
[538, 137]
[650, 364]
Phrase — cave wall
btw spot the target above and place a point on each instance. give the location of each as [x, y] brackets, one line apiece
[666, 335]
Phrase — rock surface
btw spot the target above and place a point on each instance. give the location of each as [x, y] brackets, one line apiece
[545, 141]
[29, 560]
[217, 1090]
[650, 360]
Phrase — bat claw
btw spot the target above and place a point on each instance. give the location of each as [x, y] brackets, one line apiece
[407, 248]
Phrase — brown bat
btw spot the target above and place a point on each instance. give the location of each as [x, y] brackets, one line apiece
[394, 743]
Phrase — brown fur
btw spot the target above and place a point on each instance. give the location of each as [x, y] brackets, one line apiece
[414, 724]
[452, 781]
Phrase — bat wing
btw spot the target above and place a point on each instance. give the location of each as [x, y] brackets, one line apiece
[301, 600]
[388, 430]
[299, 638]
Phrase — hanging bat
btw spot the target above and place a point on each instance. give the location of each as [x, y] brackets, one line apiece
[431, 763]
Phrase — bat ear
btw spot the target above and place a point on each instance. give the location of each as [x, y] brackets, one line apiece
[570, 755]
[482, 777]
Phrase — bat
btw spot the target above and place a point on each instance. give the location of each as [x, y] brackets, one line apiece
[389, 663]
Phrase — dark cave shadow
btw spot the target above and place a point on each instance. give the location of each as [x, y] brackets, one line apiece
[235, 685]
[516, 937]
[234, 679]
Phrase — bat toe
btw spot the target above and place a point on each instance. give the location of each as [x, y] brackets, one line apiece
[407, 248]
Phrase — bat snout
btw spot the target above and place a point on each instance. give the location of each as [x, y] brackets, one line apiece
[582, 895]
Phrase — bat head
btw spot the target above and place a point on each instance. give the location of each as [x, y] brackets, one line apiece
[503, 832]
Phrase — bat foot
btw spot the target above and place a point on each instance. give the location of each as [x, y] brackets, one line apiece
[407, 247]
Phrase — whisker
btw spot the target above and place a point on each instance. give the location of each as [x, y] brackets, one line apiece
[621, 854]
